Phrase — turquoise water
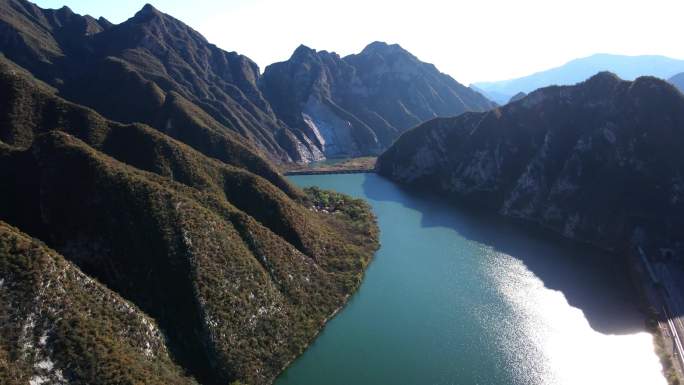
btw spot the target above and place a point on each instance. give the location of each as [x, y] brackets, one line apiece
[456, 298]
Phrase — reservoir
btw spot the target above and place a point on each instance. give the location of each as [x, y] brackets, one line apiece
[458, 298]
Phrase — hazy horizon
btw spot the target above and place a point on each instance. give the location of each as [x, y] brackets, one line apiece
[470, 42]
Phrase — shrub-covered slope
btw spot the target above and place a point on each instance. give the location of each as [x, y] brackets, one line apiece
[590, 161]
[57, 325]
[186, 123]
[239, 271]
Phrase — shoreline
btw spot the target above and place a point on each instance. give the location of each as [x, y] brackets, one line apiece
[332, 166]
[315, 336]
[326, 172]
[637, 270]
[347, 298]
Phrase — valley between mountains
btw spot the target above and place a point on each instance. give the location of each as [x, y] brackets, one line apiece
[148, 235]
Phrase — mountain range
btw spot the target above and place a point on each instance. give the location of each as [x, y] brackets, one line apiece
[575, 71]
[592, 162]
[360, 103]
[238, 272]
[144, 236]
[147, 235]
[315, 105]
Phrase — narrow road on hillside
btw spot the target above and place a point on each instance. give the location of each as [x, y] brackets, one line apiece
[673, 305]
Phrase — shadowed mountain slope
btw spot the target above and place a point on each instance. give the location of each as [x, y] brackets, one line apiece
[126, 72]
[239, 272]
[591, 161]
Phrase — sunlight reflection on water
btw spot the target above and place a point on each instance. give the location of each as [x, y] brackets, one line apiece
[557, 346]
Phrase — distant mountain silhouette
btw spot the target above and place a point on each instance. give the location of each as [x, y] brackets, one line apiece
[626, 67]
[359, 104]
[517, 97]
[678, 81]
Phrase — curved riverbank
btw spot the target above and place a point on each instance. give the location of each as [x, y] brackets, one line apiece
[456, 298]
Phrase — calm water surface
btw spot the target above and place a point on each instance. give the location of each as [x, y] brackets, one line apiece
[454, 298]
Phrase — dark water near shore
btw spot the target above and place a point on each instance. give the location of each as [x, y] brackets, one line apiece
[455, 298]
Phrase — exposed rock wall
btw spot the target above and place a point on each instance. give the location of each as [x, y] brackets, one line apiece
[590, 161]
[358, 105]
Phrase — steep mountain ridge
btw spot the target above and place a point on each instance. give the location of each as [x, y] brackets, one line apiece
[309, 79]
[591, 161]
[359, 104]
[42, 38]
[239, 272]
[125, 71]
[316, 105]
[182, 120]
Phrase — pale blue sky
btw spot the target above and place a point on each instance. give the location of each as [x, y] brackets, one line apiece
[473, 40]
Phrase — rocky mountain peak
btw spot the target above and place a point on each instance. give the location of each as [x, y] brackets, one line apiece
[148, 12]
[604, 77]
[602, 85]
[149, 9]
[360, 103]
[65, 10]
[305, 54]
[165, 28]
[518, 96]
[384, 58]
[382, 48]
[106, 24]
[302, 52]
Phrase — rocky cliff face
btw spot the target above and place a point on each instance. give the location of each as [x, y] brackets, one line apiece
[238, 269]
[357, 105]
[589, 161]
